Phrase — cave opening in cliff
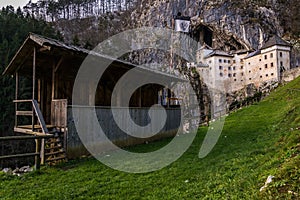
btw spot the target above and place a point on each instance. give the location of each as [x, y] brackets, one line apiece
[203, 35]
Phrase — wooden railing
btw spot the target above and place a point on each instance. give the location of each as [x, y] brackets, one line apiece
[35, 112]
[38, 154]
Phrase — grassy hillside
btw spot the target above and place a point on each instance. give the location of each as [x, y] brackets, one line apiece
[256, 142]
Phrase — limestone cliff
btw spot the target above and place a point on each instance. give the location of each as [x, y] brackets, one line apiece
[248, 25]
[233, 24]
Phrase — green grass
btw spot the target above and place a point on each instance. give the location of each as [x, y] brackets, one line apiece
[256, 142]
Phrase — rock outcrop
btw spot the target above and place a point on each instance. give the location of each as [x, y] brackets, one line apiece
[249, 25]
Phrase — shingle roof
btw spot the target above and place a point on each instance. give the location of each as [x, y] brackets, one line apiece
[253, 54]
[275, 40]
[218, 53]
[34, 39]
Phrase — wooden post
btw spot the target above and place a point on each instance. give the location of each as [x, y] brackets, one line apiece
[16, 98]
[37, 160]
[53, 82]
[33, 84]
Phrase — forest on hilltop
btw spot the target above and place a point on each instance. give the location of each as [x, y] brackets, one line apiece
[52, 10]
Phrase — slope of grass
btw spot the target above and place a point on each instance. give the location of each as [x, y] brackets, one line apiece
[256, 142]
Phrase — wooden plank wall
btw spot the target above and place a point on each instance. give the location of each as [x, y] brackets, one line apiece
[105, 118]
[59, 112]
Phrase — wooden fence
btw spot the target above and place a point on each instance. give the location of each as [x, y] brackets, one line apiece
[38, 151]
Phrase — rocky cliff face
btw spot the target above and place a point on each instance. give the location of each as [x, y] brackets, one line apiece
[231, 21]
[235, 24]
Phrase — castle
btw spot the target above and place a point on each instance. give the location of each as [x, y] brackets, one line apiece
[232, 71]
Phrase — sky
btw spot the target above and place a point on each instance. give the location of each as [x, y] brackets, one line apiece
[14, 3]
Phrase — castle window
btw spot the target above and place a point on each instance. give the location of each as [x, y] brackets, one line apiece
[229, 68]
[220, 60]
[249, 63]
[221, 74]
[234, 79]
[266, 66]
[260, 76]
[272, 74]
[280, 54]
[259, 60]
[250, 79]
[266, 57]
[242, 74]
[229, 75]
[209, 61]
[242, 67]
[272, 64]
[220, 67]
[260, 68]
[271, 55]
[225, 61]
[234, 75]
[267, 75]
[228, 61]
[249, 71]
[234, 61]
[233, 68]
[281, 63]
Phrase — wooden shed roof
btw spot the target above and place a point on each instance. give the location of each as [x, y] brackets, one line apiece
[56, 48]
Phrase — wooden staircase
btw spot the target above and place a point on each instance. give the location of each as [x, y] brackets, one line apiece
[53, 150]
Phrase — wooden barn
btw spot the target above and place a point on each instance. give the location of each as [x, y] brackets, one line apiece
[52, 66]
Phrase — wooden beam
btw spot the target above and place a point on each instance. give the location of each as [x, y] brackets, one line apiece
[44, 48]
[58, 64]
[53, 84]
[14, 138]
[16, 97]
[37, 159]
[22, 101]
[23, 113]
[40, 116]
[19, 155]
[54, 70]
[33, 83]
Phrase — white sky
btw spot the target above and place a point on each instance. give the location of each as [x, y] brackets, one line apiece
[14, 3]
